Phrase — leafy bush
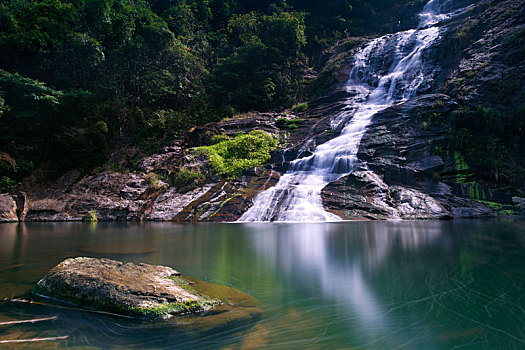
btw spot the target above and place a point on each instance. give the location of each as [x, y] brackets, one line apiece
[230, 158]
[91, 216]
[187, 178]
[7, 184]
[3, 106]
[285, 123]
[301, 107]
[219, 138]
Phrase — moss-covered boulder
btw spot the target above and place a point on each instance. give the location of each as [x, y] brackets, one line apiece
[141, 290]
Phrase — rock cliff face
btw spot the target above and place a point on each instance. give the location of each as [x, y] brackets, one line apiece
[143, 192]
[405, 178]
[136, 188]
[7, 208]
[484, 54]
[481, 59]
[408, 174]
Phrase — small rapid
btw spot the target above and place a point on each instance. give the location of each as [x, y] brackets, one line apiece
[388, 70]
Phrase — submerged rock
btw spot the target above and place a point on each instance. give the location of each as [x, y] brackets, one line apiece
[141, 290]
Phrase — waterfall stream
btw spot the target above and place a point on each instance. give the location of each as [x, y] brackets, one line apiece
[388, 70]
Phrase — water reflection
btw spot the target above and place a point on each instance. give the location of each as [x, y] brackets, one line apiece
[420, 285]
[339, 262]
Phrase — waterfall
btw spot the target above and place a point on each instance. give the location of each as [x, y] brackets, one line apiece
[388, 70]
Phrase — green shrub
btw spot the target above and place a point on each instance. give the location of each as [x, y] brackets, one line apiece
[230, 158]
[7, 184]
[91, 216]
[284, 123]
[154, 182]
[219, 138]
[300, 107]
[187, 178]
[102, 127]
[3, 106]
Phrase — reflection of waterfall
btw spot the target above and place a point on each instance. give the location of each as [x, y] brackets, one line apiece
[340, 260]
[388, 70]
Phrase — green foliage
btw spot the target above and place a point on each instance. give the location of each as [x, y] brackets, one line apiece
[22, 90]
[462, 169]
[300, 107]
[91, 216]
[258, 72]
[154, 183]
[285, 123]
[80, 77]
[187, 179]
[230, 158]
[492, 142]
[3, 106]
[7, 184]
[45, 123]
[219, 138]
[502, 209]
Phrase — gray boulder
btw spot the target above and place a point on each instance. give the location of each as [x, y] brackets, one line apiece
[141, 290]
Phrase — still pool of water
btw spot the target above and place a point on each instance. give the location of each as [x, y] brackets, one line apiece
[364, 285]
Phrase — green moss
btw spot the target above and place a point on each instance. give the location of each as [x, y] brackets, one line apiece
[462, 168]
[471, 192]
[490, 140]
[502, 209]
[475, 191]
[285, 123]
[187, 178]
[221, 205]
[300, 107]
[154, 182]
[190, 286]
[219, 138]
[182, 282]
[229, 158]
[168, 309]
[91, 216]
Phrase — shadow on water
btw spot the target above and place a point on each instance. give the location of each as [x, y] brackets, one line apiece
[31, 319]
[105, 331]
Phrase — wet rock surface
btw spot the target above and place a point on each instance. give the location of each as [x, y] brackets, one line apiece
[142, 290]
[405, 178]
[7, 208]
[408, 174]
[483, 54]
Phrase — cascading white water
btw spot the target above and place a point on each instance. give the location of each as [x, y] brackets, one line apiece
[297, 195]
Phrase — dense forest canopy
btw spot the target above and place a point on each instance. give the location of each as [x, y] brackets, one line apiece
[78, 77]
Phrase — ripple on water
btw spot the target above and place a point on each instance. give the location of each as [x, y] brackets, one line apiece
[238, 313]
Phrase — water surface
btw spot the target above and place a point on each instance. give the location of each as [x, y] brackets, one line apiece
[366, 285]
